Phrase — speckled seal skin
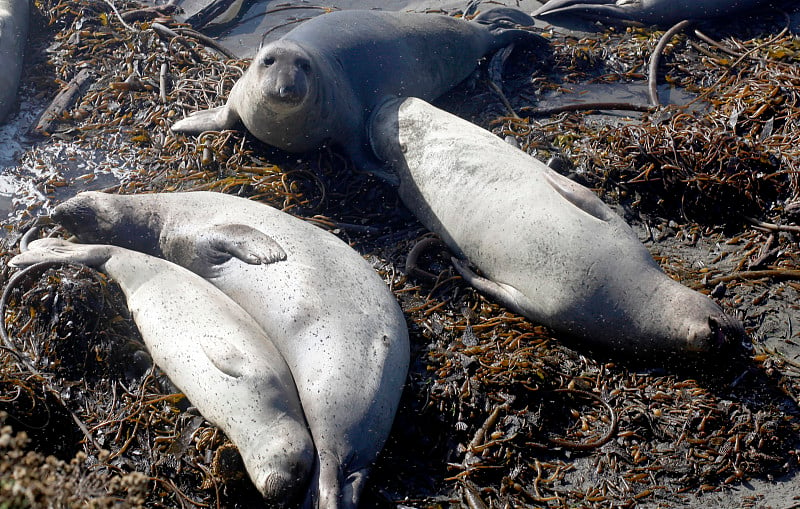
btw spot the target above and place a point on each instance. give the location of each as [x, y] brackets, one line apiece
[650, 12]
[547, 247]
[216, 354]
[320, 81]
[334, 320]
[14, 16]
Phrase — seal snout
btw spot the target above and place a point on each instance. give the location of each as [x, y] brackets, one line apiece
[287, 74]
[714, 332]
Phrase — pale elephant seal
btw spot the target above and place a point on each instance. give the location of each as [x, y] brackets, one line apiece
[548, 248]
[320, 81]
[334, 320]
[14, 16]
[215, 353]
[655, 12]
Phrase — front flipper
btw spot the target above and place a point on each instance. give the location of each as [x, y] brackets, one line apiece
[215, 119]
[505, 294]
[204, 252]
[222, 242]
[224, 356]
[578, 195]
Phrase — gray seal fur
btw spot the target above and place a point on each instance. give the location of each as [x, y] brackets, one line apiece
[321, 80]
[548, 248]
[651, 12]
[212, 350]
[334, 320]
[14, 16]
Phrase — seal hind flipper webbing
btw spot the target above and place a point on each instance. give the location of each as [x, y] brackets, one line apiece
[214, 119]
[220, 243]
[505, 294]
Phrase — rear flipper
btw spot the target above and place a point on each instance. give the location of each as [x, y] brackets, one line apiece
[502, 22]
[329, 489]
[507, 295]
[58, 250]
[215, 119]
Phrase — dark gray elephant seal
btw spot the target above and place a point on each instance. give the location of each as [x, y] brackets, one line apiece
[334, 320]
[548, 247]
[650, 12]
[14, 16]
[320, 81]
[214, 352]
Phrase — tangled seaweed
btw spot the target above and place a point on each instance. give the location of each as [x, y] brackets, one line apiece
[497, 411]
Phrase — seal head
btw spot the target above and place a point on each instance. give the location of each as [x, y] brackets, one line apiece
[285, 75]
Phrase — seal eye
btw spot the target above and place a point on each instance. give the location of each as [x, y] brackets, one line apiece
[304, 65]
[268, 61]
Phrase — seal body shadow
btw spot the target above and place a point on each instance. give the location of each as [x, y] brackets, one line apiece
[320, 81]
[14, 18]
[547, 247]
[334, 320]
[213, 351]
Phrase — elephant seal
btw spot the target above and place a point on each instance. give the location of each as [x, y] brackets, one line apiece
[548, 247]
[320, 81]
[334, 320]
[14, 16]
[214, 353]
[651, 12]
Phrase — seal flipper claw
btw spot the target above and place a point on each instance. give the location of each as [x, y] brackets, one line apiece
[220, 243]
[214, 119]
[507, 295]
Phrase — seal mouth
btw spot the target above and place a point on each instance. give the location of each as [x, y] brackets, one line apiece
[289, 96]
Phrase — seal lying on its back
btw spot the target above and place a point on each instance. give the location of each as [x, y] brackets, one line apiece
[213, 351]
[655, 12]
[320, 81]
[14, 16]
[548, 247]
[334, 320]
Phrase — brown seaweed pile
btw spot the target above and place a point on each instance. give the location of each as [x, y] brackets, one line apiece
[497, 412]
